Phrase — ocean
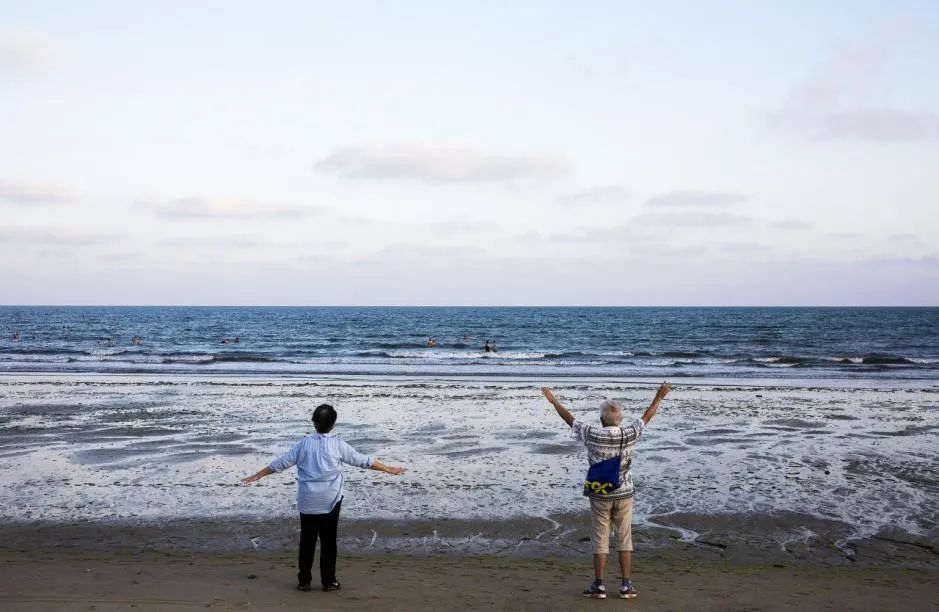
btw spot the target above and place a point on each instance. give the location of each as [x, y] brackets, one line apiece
[822, 419]
[592, 342]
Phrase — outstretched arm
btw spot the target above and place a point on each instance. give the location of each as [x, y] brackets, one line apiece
[388, 469]
[255, 477]
[287, 460]
[351, 456]
[654, 406]
[562, 411]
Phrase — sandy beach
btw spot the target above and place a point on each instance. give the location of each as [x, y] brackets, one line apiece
[432, 565]
[199, 581]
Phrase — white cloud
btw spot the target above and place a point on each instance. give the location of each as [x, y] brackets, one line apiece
[440, 163]
[692, 218]
[876, 124]
[24, 50]
[463, 226]
[681, 209]
[847, 68]
[238, 241]
[33, 193]
[611, 233]
[826, 107]
[603, 194]
[51, 237]
[654, 227]
[696, 199]
[197, 207]
[790, 224]
[751, 248]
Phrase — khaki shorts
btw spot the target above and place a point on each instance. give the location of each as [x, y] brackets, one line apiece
[615, 514]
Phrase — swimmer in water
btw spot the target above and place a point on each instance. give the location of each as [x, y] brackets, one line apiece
[16, 336]
[135, 341]
[431, 342]
[108, 342]
[490, 346]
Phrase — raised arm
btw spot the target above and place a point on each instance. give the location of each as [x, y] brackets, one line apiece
[562, 411]
[654, 406]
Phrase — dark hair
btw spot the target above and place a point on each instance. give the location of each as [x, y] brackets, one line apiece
[324, 417]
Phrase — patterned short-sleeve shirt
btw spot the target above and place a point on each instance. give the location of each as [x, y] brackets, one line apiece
[604, 443]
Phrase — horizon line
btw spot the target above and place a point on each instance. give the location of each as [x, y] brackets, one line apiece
[64, 305]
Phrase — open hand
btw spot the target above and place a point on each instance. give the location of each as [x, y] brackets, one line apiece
[396, 470]
[246, 481]
[663, 391]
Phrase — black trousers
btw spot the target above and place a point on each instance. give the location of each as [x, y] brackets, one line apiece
[323, 526]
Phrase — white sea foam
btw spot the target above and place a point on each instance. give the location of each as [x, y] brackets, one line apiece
[440, 354]
[161, 447]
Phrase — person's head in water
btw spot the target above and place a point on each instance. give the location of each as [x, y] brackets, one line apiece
[324, 417]
[611, 413]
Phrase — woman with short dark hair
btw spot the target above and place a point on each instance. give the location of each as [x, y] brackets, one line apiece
[319, 458]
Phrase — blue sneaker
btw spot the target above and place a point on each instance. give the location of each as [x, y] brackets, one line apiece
[596, 590]
[627, 590]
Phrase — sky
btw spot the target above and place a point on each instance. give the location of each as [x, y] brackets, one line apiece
[478, 153]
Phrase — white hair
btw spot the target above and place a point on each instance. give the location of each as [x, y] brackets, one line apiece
[611, 413]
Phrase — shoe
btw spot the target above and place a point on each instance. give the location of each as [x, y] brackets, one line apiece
[335, 586]
[627, 590]
[304, 587]
[596, 590]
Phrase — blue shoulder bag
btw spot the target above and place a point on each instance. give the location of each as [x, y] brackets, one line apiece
[603, 477]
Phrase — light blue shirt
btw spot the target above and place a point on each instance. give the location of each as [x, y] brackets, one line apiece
[318, 458]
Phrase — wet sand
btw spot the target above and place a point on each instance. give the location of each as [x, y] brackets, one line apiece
[264, 581]
[771, 538]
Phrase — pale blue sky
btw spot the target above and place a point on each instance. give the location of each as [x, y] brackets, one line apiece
[471, 153]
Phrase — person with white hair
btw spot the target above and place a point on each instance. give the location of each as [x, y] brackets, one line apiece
[609, 484]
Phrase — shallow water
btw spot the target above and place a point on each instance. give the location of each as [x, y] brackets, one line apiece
[154, 448]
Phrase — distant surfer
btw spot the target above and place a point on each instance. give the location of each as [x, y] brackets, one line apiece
[431, 342]
[16, 335]
[490, 347]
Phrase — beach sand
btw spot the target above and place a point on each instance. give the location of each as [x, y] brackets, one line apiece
[252, 565]
[196, 581]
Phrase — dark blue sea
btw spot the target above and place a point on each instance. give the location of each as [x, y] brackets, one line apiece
[596, 342]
